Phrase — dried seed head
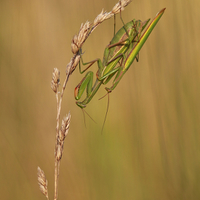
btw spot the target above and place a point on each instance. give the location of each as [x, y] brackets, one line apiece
[76, 60]
[64, 127]
[120, 6]
[83, 32]
[55, 79]
[42, 182]
[79, 39]
[74, 44]
[71, 66]
[61, 136]
[125, 3]
[59, 152]
[106, 15]
[100, 18]
[109, 15]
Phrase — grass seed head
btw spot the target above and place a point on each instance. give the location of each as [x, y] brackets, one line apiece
[55, 80]
[42, 181]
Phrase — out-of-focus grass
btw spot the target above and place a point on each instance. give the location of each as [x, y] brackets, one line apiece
[150, 145]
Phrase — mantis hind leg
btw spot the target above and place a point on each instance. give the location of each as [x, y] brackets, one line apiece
[108, 91]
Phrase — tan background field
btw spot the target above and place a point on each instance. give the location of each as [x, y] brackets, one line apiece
[150, 146]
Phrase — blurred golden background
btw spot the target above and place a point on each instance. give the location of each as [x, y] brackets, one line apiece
[150, 145]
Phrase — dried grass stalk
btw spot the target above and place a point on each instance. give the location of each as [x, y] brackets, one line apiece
[77, 41]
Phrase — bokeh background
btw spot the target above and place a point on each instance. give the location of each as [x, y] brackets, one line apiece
[150, 146]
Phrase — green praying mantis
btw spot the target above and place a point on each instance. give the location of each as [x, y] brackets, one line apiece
[123, 50]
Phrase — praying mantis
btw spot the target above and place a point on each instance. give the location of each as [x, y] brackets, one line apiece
[123, 49]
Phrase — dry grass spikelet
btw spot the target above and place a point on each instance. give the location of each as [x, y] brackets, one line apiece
[55, 80]
[73, 62]
[79, 39]
[69, 68]
[61, 136]
[64, 127]
[59, 151]
[42, 181]
[83, 32]
[120, 6]
[74, 44]
[101, 17]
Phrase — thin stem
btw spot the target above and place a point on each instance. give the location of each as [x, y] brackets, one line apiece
[59, 105]
[56, 162]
